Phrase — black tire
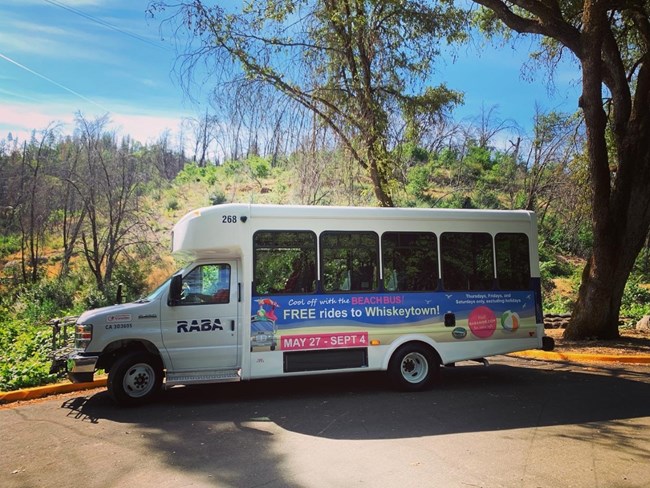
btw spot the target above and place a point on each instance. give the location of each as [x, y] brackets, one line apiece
[414, 367]
[135, 378]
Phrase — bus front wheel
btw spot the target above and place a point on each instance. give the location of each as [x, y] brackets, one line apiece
[135, 378]
[414, 367]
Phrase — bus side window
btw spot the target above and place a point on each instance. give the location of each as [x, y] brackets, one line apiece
[390, 279]
[284, 261]
[349, 261]
[513, 261]
[302, 277]
[222, 285]
[467, 261]
[410, 261]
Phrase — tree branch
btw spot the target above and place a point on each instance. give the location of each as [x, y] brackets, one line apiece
[548, 21]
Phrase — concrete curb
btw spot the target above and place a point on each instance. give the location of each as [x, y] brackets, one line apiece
[582, 358]
[42, 391]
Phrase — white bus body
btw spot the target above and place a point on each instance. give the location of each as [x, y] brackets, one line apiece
[276, 291]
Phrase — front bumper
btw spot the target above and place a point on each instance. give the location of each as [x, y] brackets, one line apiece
[81, 367]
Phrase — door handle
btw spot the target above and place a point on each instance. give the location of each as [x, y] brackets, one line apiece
[232, 325]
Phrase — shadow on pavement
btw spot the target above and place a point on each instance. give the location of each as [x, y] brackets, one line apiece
[207, 428]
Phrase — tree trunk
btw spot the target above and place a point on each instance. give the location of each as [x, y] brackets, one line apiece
[596, 312]
[621, 224]
[379, 186]
[621, 199]
[377, 162]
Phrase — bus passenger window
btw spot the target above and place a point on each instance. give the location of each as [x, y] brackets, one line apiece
[284, 262]
[467, 261]
[349, 261]
[410, 261]
[513, 261]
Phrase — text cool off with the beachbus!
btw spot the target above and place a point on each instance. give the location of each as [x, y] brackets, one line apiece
[300, 322]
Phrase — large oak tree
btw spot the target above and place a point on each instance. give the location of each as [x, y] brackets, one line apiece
[610, 39]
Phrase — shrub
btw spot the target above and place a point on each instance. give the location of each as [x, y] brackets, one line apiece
[260, 167]
[218, 197]
[173, 205]
[636, 300]
[9, 244]
[42, 301]
[24, 355]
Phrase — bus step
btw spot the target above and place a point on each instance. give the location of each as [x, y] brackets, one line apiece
[202, 377]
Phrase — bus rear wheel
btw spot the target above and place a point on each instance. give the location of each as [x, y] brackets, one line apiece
[413, 367]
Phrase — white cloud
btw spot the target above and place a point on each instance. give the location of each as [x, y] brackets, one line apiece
[145, 128]
[48, 42]
[22, 118]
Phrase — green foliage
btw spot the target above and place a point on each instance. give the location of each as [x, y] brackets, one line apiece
[642, 265]
[636, 300]
[218, 197]
[556, 304]
[259, 167]
[567, 237]
[132, 276]
[552, 300]
[553, 265]
[549, 258]
[411, 154]
[26, 340]
[478, 160]
[172, 204]
[485, 197]
[192, 173]
[456, 200]
[42, 301]
[419, 180]
[129, 274]
[9, 244]
[24, 355]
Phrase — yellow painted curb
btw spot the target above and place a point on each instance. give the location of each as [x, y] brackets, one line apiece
[41, 391]
[577, 357]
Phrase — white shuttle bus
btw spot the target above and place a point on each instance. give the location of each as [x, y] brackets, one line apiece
[276, 291]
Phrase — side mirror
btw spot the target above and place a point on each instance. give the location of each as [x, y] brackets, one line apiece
[175, 290]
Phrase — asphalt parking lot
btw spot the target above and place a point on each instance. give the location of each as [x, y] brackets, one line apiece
[519, 423]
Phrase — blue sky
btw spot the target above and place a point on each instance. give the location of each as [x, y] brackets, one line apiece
[58, 57]
[111, 57]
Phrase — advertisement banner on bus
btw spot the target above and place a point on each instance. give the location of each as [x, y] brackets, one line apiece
[351, 320]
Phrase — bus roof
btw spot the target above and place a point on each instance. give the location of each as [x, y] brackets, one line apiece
[208, 230]
[314, 211]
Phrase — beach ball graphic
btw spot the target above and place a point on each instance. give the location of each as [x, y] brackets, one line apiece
[510, 320]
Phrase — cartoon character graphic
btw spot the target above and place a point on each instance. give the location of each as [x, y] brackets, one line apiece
[263, 328]
[262, 313]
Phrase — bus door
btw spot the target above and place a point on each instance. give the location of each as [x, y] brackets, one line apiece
[202, 331]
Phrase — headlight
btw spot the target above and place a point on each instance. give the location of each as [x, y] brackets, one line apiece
[83, 334]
